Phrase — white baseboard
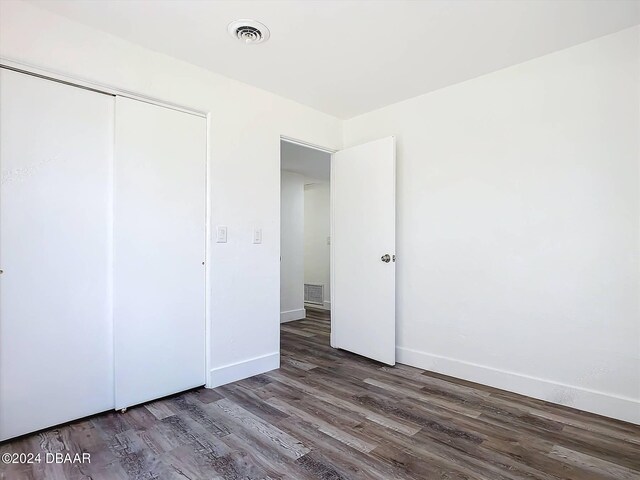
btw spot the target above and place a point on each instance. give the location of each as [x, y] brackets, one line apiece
[324, 306]
[291, 315]
[241, 370]
[622, 408]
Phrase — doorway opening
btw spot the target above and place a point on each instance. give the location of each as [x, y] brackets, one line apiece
[355, 295]
[305, 240]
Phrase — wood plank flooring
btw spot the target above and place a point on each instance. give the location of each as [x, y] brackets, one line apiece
[328, 414]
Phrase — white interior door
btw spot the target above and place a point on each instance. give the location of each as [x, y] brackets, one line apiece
[159, 251]
[363, 234]
[56, 347]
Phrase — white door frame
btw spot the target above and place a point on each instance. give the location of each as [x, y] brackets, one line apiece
[116, 91]
[330, 151]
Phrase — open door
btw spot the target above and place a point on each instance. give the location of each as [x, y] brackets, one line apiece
[363, 250]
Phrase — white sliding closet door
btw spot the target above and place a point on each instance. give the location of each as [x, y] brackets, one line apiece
[159, 251]
[56, 344]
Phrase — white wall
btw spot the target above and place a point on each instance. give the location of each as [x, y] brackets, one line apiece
[518, 226]
[317, 228]
[245, 125]
[292, 247]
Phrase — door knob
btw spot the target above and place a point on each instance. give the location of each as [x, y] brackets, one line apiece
[385, 258]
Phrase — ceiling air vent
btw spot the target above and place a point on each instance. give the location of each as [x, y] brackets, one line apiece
[249, 31]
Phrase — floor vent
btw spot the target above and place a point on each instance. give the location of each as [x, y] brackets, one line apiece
[314, 293]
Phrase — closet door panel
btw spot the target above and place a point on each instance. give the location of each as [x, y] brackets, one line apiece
[56, 343]
[159, 250]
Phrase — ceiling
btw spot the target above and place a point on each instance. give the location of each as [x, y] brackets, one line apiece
[347, 57]
[313, 164]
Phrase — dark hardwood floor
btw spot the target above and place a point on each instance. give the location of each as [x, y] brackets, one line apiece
[329, 414]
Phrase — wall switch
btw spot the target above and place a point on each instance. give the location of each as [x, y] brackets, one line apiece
[328, 240]
[257, 235]
[221, 234]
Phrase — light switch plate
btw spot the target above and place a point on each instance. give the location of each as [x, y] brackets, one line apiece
[221, 234]
[257, 235]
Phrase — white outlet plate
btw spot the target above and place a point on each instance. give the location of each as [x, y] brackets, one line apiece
[221, 234]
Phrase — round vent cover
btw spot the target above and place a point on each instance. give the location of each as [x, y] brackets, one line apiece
[248, 31]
